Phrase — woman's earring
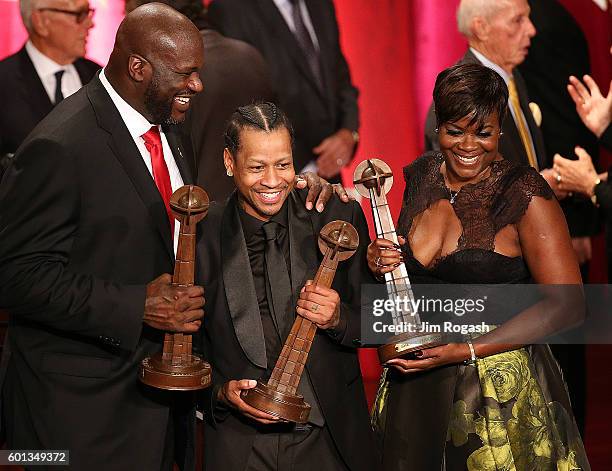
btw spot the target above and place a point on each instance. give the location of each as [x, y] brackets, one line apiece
[436, 130]
[229, 172]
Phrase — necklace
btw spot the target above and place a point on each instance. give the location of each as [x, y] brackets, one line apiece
[453, 195]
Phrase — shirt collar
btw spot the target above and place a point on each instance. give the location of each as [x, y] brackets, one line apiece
[252, 225]
[136, 123]
[491, 65]
[44, 66]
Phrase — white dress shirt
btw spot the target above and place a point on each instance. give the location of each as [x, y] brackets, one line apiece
[137, 125]
[491, 65]
[286, 10]
[46, 69]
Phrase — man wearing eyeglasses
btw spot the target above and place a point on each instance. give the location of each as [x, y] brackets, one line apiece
[49, 67]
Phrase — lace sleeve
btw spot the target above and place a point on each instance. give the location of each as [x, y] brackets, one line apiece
[517, 188]
[422, 180]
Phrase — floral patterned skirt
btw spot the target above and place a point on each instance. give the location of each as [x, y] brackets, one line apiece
[510, 411]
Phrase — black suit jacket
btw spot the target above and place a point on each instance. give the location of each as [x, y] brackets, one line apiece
[314, 113]
[24, 99]
[558, 51]
[83, 229]
[234, 74]
[233, 338]
[510, 144]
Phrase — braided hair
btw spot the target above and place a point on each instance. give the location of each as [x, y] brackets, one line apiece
[263, 116]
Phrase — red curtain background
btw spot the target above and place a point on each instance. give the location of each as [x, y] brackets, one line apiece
[395, 49]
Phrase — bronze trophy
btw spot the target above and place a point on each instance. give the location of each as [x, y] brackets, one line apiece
[338, 240]
[176, 368]
[373, 179]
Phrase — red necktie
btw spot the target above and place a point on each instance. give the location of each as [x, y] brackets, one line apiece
[160, 169]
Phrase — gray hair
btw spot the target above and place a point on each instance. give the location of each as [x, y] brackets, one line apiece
[470, 9]
[26, 7]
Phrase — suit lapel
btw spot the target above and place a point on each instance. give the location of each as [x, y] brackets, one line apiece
[85, 70]
[278, 26]
[128, 155]
[536, 134]
[239, 286]
[511, 141]
[178, 151]
[33, 90]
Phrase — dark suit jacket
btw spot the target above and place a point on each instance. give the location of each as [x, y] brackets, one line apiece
[510, 144]
[83, 230]
[315, 114]
[233, 338]
[558, 51]
[234, 74]
[24, 99]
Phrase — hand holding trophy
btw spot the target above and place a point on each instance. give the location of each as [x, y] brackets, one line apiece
[373, 179]
[338, 240]
[177, 368]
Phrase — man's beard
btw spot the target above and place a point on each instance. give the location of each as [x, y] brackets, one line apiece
[158, 108]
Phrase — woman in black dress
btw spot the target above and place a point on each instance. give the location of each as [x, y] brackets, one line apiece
[469, 216]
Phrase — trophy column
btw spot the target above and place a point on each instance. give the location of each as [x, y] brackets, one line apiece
[373, 179]
[338, 240]
[176, 368]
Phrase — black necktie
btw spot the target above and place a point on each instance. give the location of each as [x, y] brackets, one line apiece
[278, 277]
[305, 41]
[59, 96]
[280, 287]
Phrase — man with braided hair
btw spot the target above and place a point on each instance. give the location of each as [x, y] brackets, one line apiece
[264, 228]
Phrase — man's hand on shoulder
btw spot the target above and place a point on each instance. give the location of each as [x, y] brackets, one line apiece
[319, 190]
[173, 308]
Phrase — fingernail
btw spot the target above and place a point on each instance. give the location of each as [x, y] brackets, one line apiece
[252, 383]
[320, 208]
[308, 205]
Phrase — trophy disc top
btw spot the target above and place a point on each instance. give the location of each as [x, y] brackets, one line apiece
[189, 199]
[340, 235]
[373, 174]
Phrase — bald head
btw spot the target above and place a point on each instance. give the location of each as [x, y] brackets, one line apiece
[154, 64]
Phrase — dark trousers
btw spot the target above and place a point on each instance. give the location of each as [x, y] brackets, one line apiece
[303, 448]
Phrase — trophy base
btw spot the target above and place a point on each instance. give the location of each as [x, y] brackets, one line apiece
[188, 376]
[290, 407]
[403, 345]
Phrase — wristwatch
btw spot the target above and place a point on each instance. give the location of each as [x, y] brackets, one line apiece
[594, 197]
